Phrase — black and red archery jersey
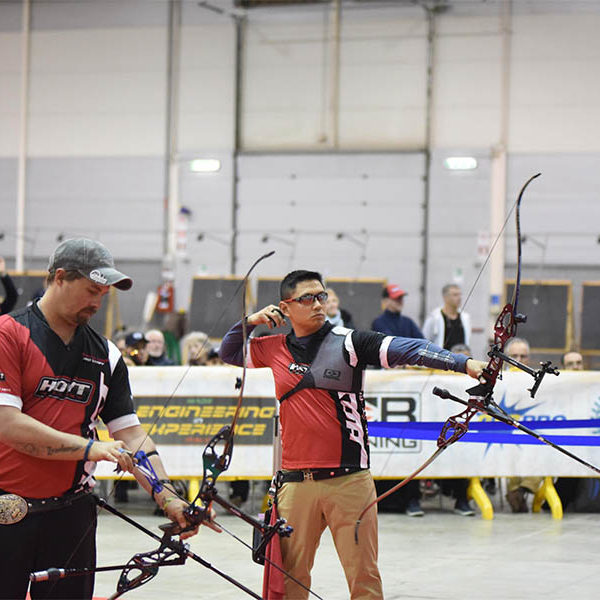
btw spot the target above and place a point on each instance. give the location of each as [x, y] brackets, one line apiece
[67, 387]
[320, 428]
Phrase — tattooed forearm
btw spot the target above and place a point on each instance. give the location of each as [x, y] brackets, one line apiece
[28, 448]
[35, 450]
[51, 451]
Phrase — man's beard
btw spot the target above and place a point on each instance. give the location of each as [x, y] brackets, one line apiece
[83, 316]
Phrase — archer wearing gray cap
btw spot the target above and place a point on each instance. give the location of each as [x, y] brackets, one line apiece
[91, 259]
[58, 379]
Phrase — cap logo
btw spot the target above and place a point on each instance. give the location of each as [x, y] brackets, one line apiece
[96, 276]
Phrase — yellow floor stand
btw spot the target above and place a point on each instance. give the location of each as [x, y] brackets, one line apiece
[548, 493]
[476, 492]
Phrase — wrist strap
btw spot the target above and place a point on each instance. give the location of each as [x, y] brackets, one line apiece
[163, 481]
[87, 449]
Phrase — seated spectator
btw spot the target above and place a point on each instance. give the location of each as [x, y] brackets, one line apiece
[519, 487]
[392, 321]
[136, 348]
[157, 356]
[195, 348]
[334, 314]
[10, 300]
[572, 361]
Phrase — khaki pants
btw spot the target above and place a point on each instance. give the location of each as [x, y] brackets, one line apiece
[309, 507]
[529, 483]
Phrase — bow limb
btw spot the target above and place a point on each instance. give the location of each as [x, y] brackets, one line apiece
[213, 463]
[505, 326]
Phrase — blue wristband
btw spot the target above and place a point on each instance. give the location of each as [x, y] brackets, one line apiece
[87, 449]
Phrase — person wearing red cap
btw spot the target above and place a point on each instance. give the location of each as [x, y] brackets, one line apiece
[392, 321]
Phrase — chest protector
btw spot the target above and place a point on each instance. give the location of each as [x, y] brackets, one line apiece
[330, 370]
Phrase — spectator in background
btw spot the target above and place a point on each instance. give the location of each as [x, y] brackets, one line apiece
[334, 314]
[10, 299]
[447, 326]
[157, 356]
[572, 361]
[119, 341]
[518, 349]
[136, 347]
[195, 349]
[519, 487]
[392, 321]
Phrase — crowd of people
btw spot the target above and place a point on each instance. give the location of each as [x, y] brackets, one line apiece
[149, 348]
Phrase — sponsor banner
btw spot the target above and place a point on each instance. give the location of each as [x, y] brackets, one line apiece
[197, 420]
[395, 396]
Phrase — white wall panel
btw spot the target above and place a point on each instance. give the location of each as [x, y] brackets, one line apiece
[467, 83]
[382, 81]
[98, 92]
[128, 49]
[555, 90]
[284, 86]
[207, 87]
[302, 202]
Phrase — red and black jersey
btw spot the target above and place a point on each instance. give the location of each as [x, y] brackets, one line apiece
[67, 387]
[320, 428]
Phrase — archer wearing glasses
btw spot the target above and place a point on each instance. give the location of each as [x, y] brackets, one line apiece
[309, 299]
[325, 479]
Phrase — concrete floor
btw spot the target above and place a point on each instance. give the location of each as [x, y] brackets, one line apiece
[441, 555]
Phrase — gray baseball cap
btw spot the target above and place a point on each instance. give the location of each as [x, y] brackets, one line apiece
[90, 258]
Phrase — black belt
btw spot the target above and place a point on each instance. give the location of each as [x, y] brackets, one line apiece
[35, 505]
[315, 474]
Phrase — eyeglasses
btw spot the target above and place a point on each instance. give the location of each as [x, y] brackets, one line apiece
[308, 299]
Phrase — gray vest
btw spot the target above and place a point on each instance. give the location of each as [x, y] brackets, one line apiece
[329, 369]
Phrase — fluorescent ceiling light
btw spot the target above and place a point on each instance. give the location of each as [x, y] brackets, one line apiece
[205, 165]
[460, 163]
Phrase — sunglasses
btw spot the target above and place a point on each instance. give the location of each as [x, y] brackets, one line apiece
[308, 299]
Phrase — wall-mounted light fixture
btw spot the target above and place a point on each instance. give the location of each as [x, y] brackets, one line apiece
[460, 163]
[205, 165]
